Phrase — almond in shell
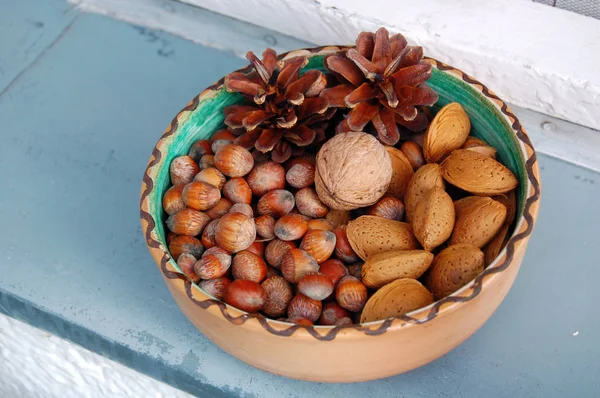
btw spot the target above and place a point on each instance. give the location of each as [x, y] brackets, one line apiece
[433, 220]
[453, 268]
[478, 219]
[369, 235]
[424, 179]
[383, 268]
[480, 146]
[493, 248]
[448, 131]
[402, 172]
[395, 299]
[478, 174]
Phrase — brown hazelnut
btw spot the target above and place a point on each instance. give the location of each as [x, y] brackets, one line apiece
[315, 285]
[223, 134]
[245, 295]
[276, 250]
[301, 175]
[212, 266]
[238, 191]
[343, 250]
[257, 248]
[234, 160]
[334, 269]
[200, 195]
[216, 287]
[187, 222]
[185, 244]
[279, 295]
[413, 153]
[353, 170]
[207, 161]
[211, 176]
[266, 177]
[199, 149]
[333, 314]
[308, 203]
[235, 232]
[172, 200]
[296, 263]
[220, 209]
[170, 236]
[247, 265]
[300, 159]
[272, 272]
[265, 226]
[351, 294]
[388, 207]
[276, 203]
[183, 169]
[320, 223]
[208, 235]
[418, 139]
[259, 157]
[291, 227]
[242, 208]
[319, 244]
[304, 307]
[186, 262]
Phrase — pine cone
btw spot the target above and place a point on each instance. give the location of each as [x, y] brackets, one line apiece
[384, 85]
[287, 113]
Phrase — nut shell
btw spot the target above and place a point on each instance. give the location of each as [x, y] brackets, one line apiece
[186, 262]
[234, 160]
[370, 235]
[478, 174]
[353, 170]
[319, 244]
[266, 177]
[186, 244]
[211, 176]
[333, 314]
[478, 220]
[383, 268]
[245, 295]
[395, 299]
[247, 265]
[338, 217]
[447, 131]
[199, 149]
[238, 191]
[343, 250]
[208, 235]
[172, 199]
[309, 204]
[296, 263]
[453, 268]
[265, 226]
[207, 161]
[402, 172]
[413, 153]
[433, 220]
[276, 250]
[389, 207]
[316, 286]
[304, 307]
[320, 223]
[424, 179]
[216, 287]
[212, 266]
[242, 208]
[235, 232]
[279, 294]
[276, 203]
[187, 222]
[301, 174]
[291, 227]
[182, 170]
[351, 294]
[220, 209]
[334, 269]
[199, 195]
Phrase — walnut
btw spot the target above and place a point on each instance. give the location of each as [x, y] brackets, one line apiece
[353, 170]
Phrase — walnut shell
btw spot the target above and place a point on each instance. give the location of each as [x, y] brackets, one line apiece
[353, 170]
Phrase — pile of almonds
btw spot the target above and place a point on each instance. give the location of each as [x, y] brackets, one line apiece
[358, 233]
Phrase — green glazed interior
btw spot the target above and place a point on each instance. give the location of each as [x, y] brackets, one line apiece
[487, 123]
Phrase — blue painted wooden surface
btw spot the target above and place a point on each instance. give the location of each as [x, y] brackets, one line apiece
[78, 126]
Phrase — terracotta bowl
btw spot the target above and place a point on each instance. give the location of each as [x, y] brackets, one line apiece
[356, 352]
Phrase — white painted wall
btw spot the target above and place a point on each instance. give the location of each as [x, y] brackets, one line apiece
[34, 363]
[538, 57]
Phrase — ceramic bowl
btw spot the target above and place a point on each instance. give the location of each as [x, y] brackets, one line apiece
[356, 352]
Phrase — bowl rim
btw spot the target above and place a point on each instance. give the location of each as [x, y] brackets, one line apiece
[522, 231]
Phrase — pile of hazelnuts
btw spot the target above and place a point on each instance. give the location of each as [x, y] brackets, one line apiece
[253, 233]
